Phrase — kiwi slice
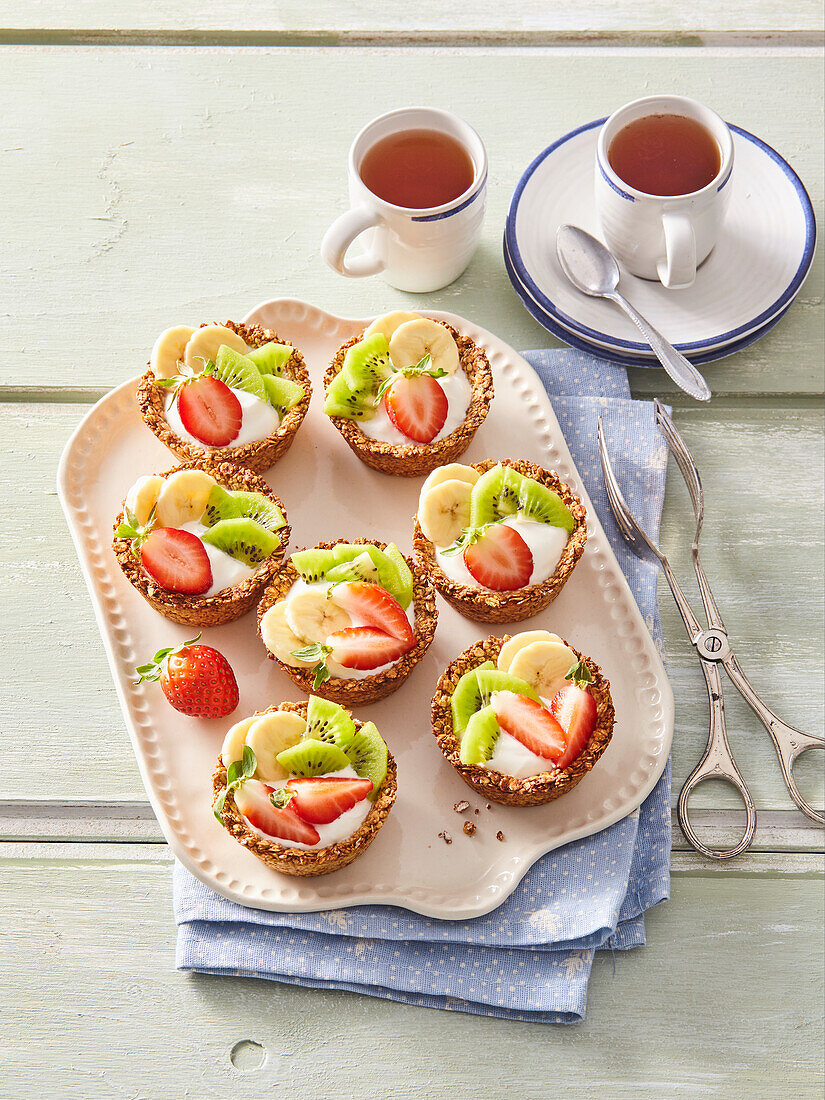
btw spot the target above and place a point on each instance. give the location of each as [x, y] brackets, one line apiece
[368, 755]
[282, 393]
[343, 400]
[231, 504]
[403, 587]
[466, 699]
[313, 564]
[474, 689]
[537, 502]
[243, 539]
[311, 757]
[328, 722]
[494, 496]
[271, 358]
[367, 364]
[238, 372]
[361, 568]
[478, 741]
[388, 575]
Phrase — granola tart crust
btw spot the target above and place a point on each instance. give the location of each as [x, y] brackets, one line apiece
[260, 454]
[485, 606]
[534, 790]
[408, 460]
[369, 689]
[231, 603]
[298, 861]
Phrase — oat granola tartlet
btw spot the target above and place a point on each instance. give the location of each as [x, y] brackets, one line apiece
[408, 394]
[348, 620]
[304, 786]
[231, 393]
[499, 540]
[522, 741]
[201, 542]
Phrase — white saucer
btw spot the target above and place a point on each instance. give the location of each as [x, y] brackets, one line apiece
[748, 281]
[615, 355]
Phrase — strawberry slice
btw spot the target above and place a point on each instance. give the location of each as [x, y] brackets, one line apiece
[574, 708]
[177, 560]
[210, 411]
[323, 798]
[252, 799]
[417, 406]
[372, 605]
[530, 723]
[500, 559]
[365, 647]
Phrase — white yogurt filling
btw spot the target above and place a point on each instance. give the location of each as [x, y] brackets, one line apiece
[458, 391]
[339, 672]
[335, 831]
[226, 570]
[260, 420]
[546, 544]
[510, 757]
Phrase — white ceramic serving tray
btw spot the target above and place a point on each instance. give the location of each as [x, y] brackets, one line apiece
[329, 494]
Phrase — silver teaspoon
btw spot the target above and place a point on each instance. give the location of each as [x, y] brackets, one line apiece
[592, 269]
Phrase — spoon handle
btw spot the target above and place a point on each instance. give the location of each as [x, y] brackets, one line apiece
[683, 373]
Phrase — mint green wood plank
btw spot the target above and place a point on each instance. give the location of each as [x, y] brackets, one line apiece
[364, 19]
[725, 1001]
[57, 682]
[205, 183]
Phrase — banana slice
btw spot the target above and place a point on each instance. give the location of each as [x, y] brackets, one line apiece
[414, 339]
[313, 616]
[183, 497]
[544, 666]
[521, 641]
[278, 638]
[389, 322]
[235, 740]
[444, 511]
[204, 344]
[271, 734]
[143, 495]
[168, 351]
[453, 471]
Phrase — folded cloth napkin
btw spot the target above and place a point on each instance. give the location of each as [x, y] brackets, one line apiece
[530, 959]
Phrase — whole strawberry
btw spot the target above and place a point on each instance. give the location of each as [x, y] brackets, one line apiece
[196, 679]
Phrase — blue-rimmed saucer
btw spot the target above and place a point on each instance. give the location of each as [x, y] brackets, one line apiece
[755, 271]
[612, 355]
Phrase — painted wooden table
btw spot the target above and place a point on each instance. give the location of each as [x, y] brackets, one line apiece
[180, 160]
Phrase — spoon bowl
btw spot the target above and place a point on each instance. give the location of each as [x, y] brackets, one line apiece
[586, 262]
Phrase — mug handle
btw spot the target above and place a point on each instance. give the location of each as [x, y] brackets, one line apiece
[340, 236]
[678, 269]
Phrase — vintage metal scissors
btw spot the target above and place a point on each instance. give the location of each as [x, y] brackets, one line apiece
[713, 647]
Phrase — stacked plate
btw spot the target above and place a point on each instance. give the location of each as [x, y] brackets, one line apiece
[741, 291]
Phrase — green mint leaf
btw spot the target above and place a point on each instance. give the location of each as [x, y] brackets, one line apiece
[382, 389]
[249, 763]
[234, 773]
[580, 674]
[310, 653]
[281, 797]
[168, 383]
[217, 807]
[124, 531]
[322, 674]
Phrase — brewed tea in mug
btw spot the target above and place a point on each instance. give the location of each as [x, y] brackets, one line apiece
[417, 169]
[665, 155]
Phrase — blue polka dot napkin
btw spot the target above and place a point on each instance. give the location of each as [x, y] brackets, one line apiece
[530, 959]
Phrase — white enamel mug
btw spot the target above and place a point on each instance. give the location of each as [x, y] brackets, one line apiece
[664, 237]
[414, 250]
